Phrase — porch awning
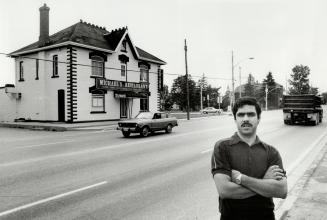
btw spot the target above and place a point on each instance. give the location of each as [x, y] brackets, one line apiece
[130, 94]
[95, 90]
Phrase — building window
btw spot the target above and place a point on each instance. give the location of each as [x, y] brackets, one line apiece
[144, 73]
[36, 69]
[124, 46]
[21, 71]
[55, 66]
[144, 104]
[97, 66]
[123, 70]
[98, 103]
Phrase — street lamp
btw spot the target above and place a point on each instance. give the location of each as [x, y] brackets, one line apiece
[232, 100]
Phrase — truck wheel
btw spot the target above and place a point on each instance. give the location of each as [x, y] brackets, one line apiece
[286, 122]
[169, 128]
[126, 133]
[145, 131]
[315, 122]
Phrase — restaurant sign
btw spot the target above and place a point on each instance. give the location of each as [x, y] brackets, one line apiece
[120, 85]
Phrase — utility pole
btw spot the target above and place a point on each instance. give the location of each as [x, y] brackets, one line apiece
[187, 91]
[240, 83]
[232, 95]
[201, 86]
[266, 96]
[286, 85]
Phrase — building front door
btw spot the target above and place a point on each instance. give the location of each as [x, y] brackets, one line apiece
[123, 108]
[61, 105]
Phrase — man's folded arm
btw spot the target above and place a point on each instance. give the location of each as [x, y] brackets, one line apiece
[266, 187]
[230, 190]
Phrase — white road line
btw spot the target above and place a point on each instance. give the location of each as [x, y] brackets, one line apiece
[38, 145]
[205, 151]
[305, 153]
[49, 199]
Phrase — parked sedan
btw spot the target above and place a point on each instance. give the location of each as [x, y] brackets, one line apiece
[146, 122]
[210, 110]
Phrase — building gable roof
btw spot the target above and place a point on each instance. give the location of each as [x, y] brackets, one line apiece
[88, 35]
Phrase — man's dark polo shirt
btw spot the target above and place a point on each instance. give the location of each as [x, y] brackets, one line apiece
[233, 153]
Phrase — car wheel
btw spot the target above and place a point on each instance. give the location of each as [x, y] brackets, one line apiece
[169, 128]
[126, 133]
[144, 131]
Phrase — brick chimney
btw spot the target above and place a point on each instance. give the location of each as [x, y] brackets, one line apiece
[44, 25]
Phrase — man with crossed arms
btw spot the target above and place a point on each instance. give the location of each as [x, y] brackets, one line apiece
[247, 172]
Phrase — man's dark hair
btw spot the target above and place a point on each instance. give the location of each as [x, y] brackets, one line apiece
[246, 101]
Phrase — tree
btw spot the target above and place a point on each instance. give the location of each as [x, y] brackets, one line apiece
[249, 89]
[313, 90]
[273, 91]
[324, 97]
[299, 82]
[226, 100]
[203, 84]
[213, 94]
[165, 99]
[179, 95]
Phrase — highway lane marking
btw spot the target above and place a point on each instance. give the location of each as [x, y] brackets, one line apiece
[205, 151]
[304, 154]
[38, 145]
[10, 211]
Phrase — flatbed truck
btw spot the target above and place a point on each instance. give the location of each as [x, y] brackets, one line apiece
[302, 109]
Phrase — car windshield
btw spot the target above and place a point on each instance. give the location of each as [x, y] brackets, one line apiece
[144, 115]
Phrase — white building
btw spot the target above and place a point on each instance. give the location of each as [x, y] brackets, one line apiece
[81, 73]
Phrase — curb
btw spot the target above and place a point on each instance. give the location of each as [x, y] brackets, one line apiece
[318, 154]
[35, 127]
[305, 179]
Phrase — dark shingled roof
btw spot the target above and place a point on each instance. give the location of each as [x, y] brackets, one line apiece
[146, 55]
[89, 35]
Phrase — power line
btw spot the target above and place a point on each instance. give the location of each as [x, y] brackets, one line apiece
[109, 68]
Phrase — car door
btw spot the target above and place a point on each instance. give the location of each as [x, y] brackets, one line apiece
[156, 121]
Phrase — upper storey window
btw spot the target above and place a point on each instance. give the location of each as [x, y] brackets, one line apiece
[97, 66]
[21, 71]
[124, 46]
[144, 73]
[55, 66]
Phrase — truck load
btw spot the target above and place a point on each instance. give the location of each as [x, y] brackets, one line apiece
[302, 109]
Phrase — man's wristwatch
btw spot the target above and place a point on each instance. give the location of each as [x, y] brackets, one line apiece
[238, 179]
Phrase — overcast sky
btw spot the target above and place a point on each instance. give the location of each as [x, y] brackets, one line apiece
[279, 34]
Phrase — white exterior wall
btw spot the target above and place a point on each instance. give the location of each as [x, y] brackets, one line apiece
[8, 106]
[40, 97]
[153, 87]
[112, 72]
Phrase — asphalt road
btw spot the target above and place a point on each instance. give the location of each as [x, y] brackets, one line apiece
[101, 175]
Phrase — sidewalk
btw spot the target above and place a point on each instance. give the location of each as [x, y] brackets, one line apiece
[311, 203]
[57, 126]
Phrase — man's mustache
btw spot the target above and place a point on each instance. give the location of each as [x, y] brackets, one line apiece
[246, 124]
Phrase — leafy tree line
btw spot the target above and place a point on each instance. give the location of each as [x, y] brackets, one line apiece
[178, 94]
[299, 84]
